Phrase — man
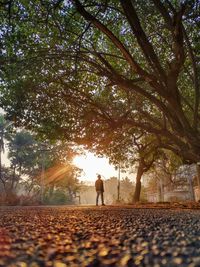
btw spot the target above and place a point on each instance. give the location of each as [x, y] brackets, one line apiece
[99, 189]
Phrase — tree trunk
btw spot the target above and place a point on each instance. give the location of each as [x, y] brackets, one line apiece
[51, 190]
[70, 195]
[198, 180]
[140, 172]
[13, 180]
[160, 190]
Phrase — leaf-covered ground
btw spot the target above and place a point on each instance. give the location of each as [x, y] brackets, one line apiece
[99, 236]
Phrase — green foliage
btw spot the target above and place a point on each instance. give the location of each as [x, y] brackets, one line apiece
[23, 155]
[58, 197]
[101, 81]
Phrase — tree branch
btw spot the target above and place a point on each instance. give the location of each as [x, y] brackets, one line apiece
[195, 80]
[142, 39]
[135, 66]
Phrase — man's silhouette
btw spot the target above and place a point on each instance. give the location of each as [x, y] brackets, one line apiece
[99, 189]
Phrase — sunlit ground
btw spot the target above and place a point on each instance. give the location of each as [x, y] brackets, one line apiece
[92, 166]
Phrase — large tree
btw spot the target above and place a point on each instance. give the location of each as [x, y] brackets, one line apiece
[72, 65]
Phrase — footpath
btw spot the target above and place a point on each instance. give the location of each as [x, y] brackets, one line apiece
[151, 235]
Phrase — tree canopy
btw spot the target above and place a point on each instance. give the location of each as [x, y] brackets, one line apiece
[79, 69]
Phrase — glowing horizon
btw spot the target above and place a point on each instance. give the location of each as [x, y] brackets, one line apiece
[93, 165]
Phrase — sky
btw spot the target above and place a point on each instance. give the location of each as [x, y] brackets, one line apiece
[93, 165]
[5, 160]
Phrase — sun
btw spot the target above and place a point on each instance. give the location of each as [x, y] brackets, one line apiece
[93, 165]
[80, 161]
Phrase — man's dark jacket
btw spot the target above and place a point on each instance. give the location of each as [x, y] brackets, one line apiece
[99, 185]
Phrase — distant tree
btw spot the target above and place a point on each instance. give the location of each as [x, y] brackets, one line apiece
[126, 190]
[23, 152]
[32, 161]
[8, 182]
[62, 179]
[167, 175]
[5, 131]
[111, 189]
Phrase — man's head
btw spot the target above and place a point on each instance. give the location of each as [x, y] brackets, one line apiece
[99, 176]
